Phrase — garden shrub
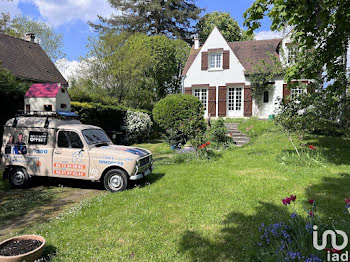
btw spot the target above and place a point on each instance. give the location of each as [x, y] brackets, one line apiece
[313, 113]
[137, 126]
[109, 118]
[218, 133]
[180, 116]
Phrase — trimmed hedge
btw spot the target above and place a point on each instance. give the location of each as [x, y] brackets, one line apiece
[108, 117]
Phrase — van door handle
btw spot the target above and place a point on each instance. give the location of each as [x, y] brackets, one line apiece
[58, 153]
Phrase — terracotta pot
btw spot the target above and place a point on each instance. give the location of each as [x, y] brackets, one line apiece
[27, 257]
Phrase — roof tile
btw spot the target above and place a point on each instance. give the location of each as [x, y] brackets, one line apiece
[43, 90]
[28, 61]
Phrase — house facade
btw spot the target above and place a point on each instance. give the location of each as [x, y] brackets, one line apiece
[218, 74]
[47, 97]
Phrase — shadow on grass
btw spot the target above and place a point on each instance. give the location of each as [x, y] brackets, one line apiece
[22, 208]
[49, 253]
[148, 180]
[330, 195]
[236, 240]
[335, 149]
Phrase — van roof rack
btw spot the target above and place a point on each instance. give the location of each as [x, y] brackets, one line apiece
[47, 114]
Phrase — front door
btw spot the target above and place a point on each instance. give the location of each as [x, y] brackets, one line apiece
[234, 101]
[70, 157]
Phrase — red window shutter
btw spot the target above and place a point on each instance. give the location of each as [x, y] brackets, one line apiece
[286, 92]
[222, 100]
[248, 103]
[226, 60]
[188, 90]
[212, 101]
[204, 61]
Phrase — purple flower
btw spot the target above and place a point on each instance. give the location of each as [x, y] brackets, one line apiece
[313, 259]
[293, 215]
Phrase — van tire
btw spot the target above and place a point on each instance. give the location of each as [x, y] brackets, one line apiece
[18, 177]
[115, 180]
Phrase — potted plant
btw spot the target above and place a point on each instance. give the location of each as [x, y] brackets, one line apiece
[26, 248]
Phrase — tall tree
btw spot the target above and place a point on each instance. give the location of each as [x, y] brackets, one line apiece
[135, 70]
[173, 18]
[227, 25]
[321, 30]
[49, 40]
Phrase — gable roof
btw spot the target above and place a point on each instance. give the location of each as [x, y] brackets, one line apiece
[28, 61]
[43, 90]
[191, 57]
[249, 53]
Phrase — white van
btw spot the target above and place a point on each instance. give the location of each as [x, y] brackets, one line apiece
[53, 147]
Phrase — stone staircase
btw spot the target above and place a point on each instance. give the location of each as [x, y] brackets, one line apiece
[239, 138]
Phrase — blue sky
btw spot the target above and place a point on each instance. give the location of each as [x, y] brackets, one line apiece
[69, 17]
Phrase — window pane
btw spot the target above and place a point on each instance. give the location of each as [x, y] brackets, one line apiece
[215, 60]
[197, 94]
[292, 53]
[67, 139]
[212, 60]
[47, 107]
[231, 94]
[218, 60]
[75, 140]
[238, 98]
[204, 99]
[94, 136]
[62, 140]
[266, 96]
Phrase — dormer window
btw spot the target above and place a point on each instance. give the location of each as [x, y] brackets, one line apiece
[292, 52]
[215, 60]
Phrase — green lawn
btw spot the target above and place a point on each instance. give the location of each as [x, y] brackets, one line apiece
[203, 211]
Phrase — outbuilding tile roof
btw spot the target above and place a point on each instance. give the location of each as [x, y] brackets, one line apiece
[27, 60]
[43, 90]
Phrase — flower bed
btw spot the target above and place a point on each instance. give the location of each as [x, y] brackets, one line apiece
[292, 240]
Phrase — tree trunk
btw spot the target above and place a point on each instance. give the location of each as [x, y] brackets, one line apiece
[344, 82]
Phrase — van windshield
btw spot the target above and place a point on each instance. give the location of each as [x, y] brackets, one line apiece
[95, 136]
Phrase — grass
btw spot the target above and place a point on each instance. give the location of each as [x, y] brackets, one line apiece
[203, 211]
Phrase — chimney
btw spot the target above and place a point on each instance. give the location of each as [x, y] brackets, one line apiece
[30, 37]
[196, 42]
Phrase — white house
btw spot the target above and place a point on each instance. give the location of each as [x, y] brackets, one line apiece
[47, 97]
[218, 74]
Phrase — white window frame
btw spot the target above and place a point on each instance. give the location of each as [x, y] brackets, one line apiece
[215, 60]
[235, 100]
[202, 95]
[297, 91]
[292, 52]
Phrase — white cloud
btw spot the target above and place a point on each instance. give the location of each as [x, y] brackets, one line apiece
[262, 35]
[58, 12]
[10, 7]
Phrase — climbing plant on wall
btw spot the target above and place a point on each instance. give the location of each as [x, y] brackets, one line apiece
[262, 76]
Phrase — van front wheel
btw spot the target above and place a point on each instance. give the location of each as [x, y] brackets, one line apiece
[115, 180]
[18, 177]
